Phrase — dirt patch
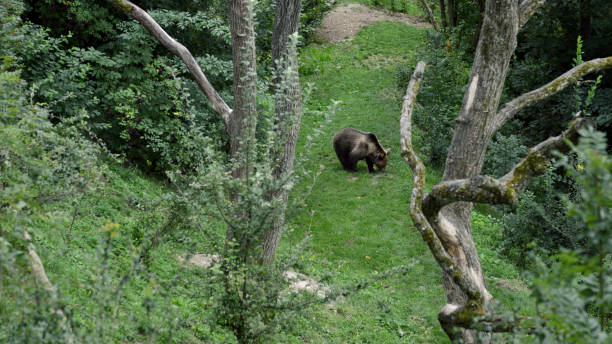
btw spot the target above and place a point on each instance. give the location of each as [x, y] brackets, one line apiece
[343, 22]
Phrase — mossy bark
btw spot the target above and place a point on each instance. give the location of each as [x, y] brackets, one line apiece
[443, 216]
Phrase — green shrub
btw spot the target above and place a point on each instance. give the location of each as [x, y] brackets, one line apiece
[439, 98]
[141, 99]
[502, 154]
[574, 294]
[539, 225]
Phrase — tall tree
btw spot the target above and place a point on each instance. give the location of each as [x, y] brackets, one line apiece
[443, 12]
[288, 99]
[444, 215]
[452, 13]
[240, 122]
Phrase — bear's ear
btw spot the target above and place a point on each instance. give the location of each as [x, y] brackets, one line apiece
[388, 151]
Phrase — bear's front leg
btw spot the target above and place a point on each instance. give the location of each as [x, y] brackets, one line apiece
[370, 165]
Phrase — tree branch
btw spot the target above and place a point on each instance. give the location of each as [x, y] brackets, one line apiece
[537, 159]
[180, 51]
[553, 87]
[505, 190]
[418, 186]
[527, 8]
[424, 211]
[38, 269]
[432, 20]
[482, 189]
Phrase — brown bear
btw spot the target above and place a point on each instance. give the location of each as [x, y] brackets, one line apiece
[352, 145]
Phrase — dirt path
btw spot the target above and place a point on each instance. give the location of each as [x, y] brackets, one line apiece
[343, 22]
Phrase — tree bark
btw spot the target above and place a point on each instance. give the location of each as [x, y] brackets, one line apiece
[443, 13]
[288, 98]
[452, 14]
[444, 216]
[432, 20]
[242, 125]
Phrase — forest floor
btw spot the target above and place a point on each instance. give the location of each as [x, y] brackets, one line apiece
[359, 222]
[343, 22]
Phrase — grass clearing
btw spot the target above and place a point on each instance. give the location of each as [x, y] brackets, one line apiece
[359, 221]
[404, 6]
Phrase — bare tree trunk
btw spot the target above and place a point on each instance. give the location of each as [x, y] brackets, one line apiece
[443, 13]
[288, 110]
[472, 133]
[245, 77]
[444, 215]
[481, 9]
[452, 14]
[585, 19]
[242, 124]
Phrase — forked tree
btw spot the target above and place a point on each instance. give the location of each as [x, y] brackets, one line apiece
[240, 122]
[443, 216]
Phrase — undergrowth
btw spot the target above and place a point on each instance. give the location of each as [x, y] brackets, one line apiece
[359, 225]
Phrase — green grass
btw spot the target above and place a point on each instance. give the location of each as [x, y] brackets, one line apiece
[135, 204]
[359, 221]
[404, 6]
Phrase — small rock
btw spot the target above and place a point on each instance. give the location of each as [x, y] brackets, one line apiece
[202, 260]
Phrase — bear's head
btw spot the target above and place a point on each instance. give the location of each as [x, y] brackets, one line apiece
[381, 160]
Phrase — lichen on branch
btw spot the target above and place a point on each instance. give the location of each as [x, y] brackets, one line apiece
[422, 223]
[425, 209]
[568, 78]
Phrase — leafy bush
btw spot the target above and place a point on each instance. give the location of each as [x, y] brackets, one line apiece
[39, 162]
[402, 6]
[440, 96]
[574, 294]
[141, 100]
[539, 225]
[502, 154]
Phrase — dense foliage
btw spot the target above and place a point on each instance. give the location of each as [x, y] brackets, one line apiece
[573, 293]
[441, 94]
[140, 98]
[76, 78]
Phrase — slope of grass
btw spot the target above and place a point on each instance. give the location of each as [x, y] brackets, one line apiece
[359, 222]
[404, 6]
[89, 242]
